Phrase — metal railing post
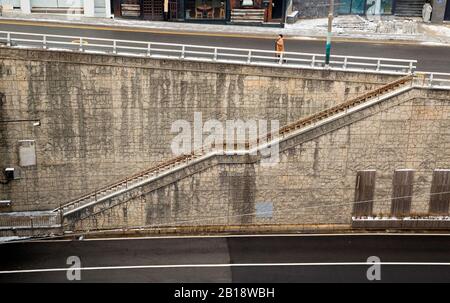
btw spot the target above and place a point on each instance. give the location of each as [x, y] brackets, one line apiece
[249, 57]
[378, 64]
[81, 45]
[313, 61]
[215, 54]
[183, 49]
[280, 62]
[114, 47]
[431, 80]
[8, 39]
[410, 67]
[44, 42]
[345, 62]
[149, 47]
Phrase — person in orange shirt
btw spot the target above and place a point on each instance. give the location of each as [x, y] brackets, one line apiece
[279, 45]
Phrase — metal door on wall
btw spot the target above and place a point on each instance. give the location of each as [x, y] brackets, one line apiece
[153, 10]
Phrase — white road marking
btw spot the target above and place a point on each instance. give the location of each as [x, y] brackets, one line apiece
[225, 265]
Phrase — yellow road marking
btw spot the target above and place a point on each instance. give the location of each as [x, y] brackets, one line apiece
[77, 41]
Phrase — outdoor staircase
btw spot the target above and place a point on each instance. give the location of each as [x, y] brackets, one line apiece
[409, 8]
[179, 162]
[247, 16]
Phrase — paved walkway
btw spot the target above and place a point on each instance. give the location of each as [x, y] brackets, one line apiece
[345, 27]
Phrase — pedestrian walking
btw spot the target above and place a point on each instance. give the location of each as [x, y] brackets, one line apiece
[279, 46]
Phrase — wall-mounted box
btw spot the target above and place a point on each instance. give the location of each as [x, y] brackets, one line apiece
[5, 203]
[27, 153]
[12, 173]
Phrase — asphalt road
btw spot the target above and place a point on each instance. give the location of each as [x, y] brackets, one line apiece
[232, 259]
[431, 58]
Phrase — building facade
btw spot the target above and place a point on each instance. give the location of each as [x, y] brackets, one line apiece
[210, 11]
[89, 8]
[319, 8]
[257, 12]
[269, 11]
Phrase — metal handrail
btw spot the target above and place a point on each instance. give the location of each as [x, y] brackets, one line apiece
[208, 53]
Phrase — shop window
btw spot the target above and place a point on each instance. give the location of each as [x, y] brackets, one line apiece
[361, 7]
[344, 7]
[205, 9]
[378, 7]
[358, 7]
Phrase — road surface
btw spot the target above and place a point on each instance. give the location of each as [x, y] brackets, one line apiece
[431, 58]
[277, 258]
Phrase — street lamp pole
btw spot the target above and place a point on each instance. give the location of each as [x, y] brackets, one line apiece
[330, 28]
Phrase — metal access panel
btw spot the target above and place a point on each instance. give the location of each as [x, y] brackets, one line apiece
[27, 153]
[402, 185]
[12, 3]
[440, 192]
[264, 209]
[364, 193]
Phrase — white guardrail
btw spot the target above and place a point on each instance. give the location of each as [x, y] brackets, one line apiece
[430, 79]
[206, 53]
[35, 219]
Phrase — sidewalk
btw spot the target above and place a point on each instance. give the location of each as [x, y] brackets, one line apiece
[387, 28]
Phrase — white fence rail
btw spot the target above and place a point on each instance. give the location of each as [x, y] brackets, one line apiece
[429, 79]
[29, 220]
[206, 53]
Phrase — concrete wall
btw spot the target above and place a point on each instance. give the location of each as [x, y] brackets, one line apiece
[314, 181]
[106, 117]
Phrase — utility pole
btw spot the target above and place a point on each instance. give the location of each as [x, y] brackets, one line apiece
[330, 29]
